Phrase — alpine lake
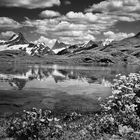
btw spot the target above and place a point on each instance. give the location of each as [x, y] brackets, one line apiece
[59, 88]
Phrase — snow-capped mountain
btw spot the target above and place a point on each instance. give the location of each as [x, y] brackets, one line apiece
[16, 39]
[77, 48]
[59, 46]
[39, 49]
[107, 41]
[18, 42]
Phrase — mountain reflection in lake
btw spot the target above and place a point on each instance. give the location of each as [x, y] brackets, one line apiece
[56, 87]
[53, 77]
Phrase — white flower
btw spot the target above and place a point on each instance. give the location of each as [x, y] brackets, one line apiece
[58, 126]
[137, 86]
[116, 91]
[122, 77]
[138, 100]
[50, 119]
[42, 120]
[124, 129]
[55, 119]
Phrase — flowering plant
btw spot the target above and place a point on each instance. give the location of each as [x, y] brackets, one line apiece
[34, 124]
[122, 106]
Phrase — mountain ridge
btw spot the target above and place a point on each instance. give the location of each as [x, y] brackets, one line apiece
[18, 42]
[111, 52]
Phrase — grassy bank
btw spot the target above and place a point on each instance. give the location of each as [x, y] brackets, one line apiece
[119, 118]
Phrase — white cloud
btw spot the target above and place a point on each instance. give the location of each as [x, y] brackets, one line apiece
[7, 34]
[79, 15]
[63, 30]
[73, 27]
[49, 42]
[116, 5]
[78, 27]
[121, 10]
[117, 36]
[31, 4]
[49, 14]
[6, 22]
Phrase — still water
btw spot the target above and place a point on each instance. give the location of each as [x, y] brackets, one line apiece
[55, 87]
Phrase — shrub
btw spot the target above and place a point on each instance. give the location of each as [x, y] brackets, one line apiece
[121, 109]
[34, 124]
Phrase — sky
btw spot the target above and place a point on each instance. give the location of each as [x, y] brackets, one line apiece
[69, 21]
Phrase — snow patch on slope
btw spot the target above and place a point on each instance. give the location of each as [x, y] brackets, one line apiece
[107, 41]
[58, 50]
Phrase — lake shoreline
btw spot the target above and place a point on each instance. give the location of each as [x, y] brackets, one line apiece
[79, 59]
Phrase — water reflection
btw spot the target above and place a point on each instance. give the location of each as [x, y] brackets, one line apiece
[56, 87]
[59, 75]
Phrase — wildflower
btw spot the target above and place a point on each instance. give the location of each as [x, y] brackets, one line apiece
[111, 119]
[24, 124]
[58, 126]
[34, 115]
[125, 130]
[42, 120]
[55, 119]
[137, 86]
[111, 97]
[116, 91]
[122, 77]
[50, 119]
[109, 101]
[138, 100]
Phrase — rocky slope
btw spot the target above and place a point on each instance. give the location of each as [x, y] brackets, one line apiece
[18, 43]
[125, 51]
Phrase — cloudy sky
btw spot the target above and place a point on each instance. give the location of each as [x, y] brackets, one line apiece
[70, 21]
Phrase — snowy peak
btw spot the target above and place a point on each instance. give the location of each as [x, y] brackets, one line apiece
[59, 45]
[18, 42]
[90, 43]
[17, 39]
[39, 49]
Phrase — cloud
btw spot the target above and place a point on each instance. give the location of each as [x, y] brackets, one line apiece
[73, 27]
[63, 29]
[79, 15]
[7, 34]
[49, 42]
[30, 4]
[121, 10]
[116, 5]
[49, 14]
[117, 36]
[9, 23]
[78, 27]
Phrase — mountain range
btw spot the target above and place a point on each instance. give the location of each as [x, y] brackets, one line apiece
[19, 43]
[108, 51]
